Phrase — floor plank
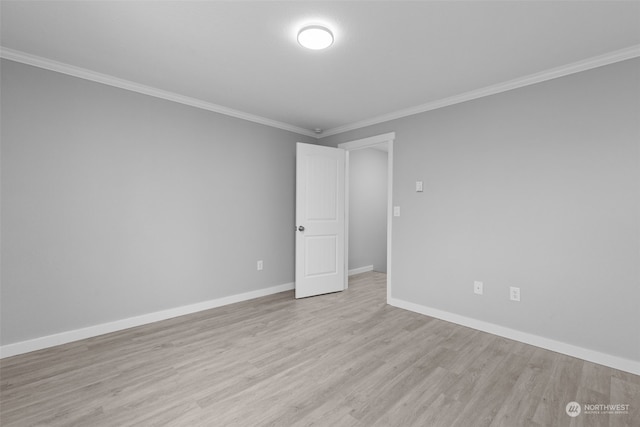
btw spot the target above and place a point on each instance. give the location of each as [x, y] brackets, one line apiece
[343, 359]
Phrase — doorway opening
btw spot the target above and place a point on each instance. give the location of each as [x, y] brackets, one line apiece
[368, 227]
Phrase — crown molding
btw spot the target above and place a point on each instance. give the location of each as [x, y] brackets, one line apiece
[553, 73]
[83, 73]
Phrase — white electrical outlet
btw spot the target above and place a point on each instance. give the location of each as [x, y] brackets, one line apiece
[419, 186]
[514, 293]
[260, 265]
[478, 288]
[396, 211]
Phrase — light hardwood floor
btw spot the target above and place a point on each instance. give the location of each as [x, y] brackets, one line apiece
[343, 359]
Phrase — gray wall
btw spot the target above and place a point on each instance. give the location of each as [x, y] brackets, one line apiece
[116, 204]
[368, 209]
[537, 187]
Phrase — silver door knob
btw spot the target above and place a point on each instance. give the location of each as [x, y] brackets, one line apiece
[301, 228]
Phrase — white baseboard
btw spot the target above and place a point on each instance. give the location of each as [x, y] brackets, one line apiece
[361, 270]
[605, 359]
[118, 325]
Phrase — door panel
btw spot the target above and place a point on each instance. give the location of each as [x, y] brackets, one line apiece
[320, 254]
[320, 210]
[321, 181]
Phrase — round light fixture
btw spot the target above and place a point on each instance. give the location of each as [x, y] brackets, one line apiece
[315, 37]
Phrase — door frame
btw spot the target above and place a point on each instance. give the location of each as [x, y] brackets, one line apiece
[360, 144]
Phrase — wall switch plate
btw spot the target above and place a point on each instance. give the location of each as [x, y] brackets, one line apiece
[260, 265]
[478, 288]
[396, 211]
[419, 186]
[514, 293]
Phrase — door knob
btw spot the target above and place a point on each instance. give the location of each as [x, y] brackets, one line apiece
[301, 228]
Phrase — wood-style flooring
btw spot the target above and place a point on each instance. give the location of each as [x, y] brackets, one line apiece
[343, 359]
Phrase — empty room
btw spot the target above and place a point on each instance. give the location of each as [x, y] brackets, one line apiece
[308, 213]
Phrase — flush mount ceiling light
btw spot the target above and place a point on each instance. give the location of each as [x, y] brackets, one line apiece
[315, 37]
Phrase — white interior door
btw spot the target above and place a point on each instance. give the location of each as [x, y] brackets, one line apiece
[320, 220]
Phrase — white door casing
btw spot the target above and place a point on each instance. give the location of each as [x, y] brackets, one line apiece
[388, 139]
[320, 220]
